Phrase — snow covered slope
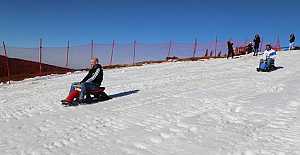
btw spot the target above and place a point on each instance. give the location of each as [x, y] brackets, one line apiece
[213, 107]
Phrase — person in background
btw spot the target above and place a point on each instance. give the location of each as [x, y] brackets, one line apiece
[249, 48]
[256, 41]
[230, 49]
[292, 41]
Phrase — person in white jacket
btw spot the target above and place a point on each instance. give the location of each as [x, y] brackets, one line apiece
[268, 58]
[269, 53]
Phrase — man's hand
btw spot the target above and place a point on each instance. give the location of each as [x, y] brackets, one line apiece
[78, 85]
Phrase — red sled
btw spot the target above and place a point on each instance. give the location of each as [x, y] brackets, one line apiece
[93, 95]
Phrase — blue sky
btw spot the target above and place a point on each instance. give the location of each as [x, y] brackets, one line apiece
[23, 22]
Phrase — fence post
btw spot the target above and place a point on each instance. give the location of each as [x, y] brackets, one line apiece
[112, 52]
[278, 43]
[134, 48]
[195, 48]
[170, 47]
[67, 54]
[40, 56]
[92, 49]
[7, 62]
[216, 46]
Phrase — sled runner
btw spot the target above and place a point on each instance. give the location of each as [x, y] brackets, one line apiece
[97, 95]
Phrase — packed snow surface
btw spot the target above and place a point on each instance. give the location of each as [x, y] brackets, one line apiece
[215, 107]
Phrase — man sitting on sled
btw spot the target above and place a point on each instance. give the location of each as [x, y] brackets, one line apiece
[92, 81]
[267, 63]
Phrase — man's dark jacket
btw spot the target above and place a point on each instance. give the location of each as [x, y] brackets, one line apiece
[95, 75]
[256, 42]
[292, 38]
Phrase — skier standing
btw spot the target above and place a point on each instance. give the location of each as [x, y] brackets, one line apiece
[256, 44]
[230, 49]
[292, 42]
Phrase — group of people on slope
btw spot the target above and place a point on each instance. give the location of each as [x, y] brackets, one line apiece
[267, 62]
[249, 47]
[257, 45]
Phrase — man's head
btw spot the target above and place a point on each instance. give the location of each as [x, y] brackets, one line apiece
[94, 61]
[268, 47]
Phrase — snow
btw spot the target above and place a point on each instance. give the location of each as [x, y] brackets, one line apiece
[215, 107]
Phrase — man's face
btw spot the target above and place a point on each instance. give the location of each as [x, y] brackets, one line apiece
[93, 62]
[268, 48]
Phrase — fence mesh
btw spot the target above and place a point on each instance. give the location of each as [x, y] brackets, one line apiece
[1, 50]
[54, 56]
[151, 52]
[30, 54]
[102, 52]
[123, 53]
[78, 57]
